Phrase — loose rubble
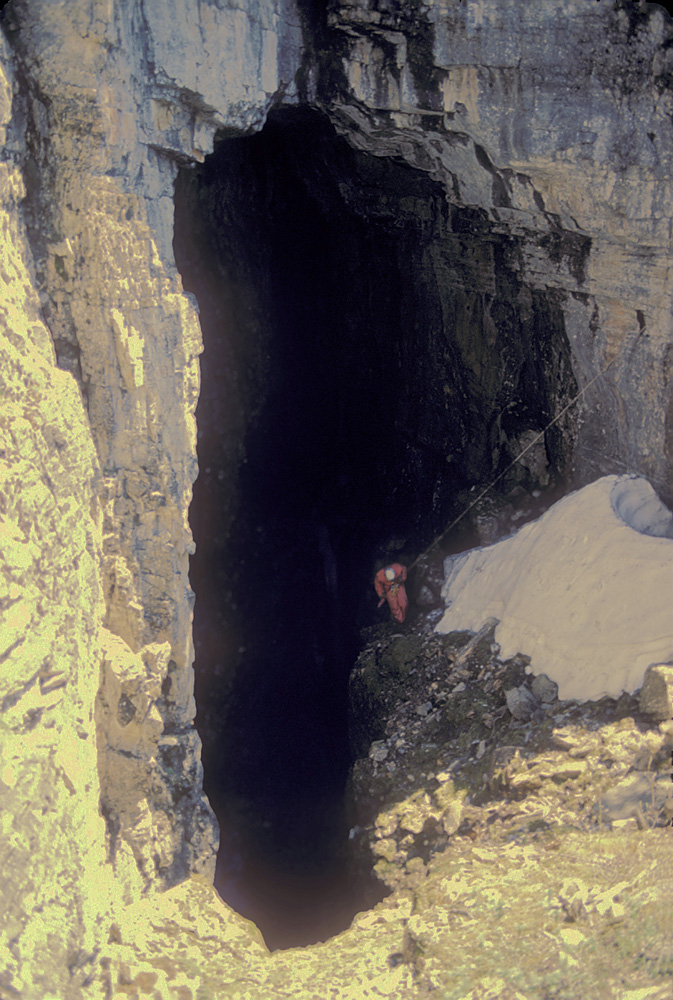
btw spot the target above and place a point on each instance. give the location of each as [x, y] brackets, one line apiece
[524, 857]
[469, 746]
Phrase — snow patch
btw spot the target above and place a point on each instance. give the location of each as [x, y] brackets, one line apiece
[585, 591]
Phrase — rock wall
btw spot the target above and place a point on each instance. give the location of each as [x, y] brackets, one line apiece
[100, 457]
[552, 120]
[52, 841]
[100, 163]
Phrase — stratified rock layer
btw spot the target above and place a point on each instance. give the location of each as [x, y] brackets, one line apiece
[552, 118]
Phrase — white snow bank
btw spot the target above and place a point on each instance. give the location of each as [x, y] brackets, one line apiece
[586, 591]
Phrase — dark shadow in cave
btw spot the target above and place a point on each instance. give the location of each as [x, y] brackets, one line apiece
[370, 352]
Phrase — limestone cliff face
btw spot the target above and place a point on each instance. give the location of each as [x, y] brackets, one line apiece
[99, 454]
[97, 479]
[52, 845]
[551, 120]
[554, 119]
[113, 96]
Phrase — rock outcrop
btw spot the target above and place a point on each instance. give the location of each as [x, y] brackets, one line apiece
[547, 127]
[521, 855]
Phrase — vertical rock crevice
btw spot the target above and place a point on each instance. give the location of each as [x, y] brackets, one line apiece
[371, 352]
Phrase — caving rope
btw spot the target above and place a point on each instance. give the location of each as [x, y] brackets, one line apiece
[535, 440]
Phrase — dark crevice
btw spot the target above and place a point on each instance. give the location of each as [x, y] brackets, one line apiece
[370, 354]
[322, 64]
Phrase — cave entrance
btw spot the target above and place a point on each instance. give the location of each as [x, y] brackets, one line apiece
[370, 352]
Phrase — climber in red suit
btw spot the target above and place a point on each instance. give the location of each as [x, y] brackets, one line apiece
[389, 585]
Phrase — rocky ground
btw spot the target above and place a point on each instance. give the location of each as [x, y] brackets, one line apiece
[446, 713]
[512, 814]
[525, 842]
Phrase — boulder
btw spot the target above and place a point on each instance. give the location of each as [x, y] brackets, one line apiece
[656, 694]
[521, 703]
[544, 689]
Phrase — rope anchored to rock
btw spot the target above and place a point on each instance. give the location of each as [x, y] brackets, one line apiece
[514, 461]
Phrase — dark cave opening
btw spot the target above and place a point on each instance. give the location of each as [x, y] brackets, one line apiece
[370, 353]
